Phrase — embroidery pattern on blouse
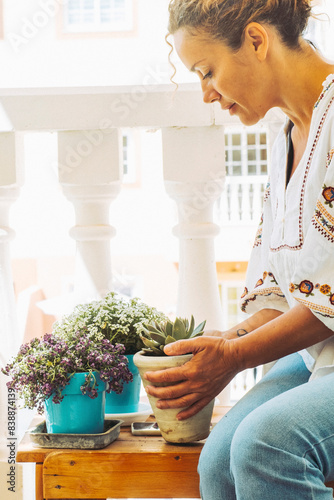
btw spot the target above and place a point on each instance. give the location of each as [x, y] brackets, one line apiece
[266, 193]
[258, 236]
[308, 288]
[302, 191]
[322, 220]
[330, 83]
[329, 157]
[322, 310]
[264, 292]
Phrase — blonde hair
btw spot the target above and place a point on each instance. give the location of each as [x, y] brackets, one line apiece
[226, 20]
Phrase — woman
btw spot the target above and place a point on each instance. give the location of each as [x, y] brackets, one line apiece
[278, 441]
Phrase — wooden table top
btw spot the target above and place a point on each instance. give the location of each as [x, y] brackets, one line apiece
[125, 443]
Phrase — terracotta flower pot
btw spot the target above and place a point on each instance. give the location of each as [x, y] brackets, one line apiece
[174, 431]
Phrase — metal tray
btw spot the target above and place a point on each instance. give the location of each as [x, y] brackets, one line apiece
[42, 439]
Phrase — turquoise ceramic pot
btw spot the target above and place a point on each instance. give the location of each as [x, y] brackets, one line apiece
[77, 413]
[128, 401]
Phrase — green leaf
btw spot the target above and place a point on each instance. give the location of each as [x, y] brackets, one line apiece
[158, 337]
[179, 331]
[153, 329]
[192, 326]
[162, 328]
[169, 328]
[199, 334]
[199, 328]
[169, 340]
[150, 343]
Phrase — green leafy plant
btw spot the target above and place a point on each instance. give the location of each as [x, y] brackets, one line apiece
[115, 318]
[158, 334]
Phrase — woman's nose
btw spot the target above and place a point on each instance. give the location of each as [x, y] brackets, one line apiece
[209, 93]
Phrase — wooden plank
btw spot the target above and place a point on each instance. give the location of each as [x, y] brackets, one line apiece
[126, 443]
[34, 455]
[39, 482]
[73, 463]
[130, 484]
[138, 475]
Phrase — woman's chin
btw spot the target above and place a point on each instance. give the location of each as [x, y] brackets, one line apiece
[249, 119]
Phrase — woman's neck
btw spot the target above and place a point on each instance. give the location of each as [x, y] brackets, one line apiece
[300, 84]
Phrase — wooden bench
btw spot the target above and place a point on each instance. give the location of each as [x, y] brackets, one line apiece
[131, 467]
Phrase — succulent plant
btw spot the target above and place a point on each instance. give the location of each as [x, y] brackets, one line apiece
[158, 334]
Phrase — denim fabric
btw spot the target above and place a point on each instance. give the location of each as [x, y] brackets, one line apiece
[277, 442]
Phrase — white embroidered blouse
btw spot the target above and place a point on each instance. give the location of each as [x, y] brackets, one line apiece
[293, 255]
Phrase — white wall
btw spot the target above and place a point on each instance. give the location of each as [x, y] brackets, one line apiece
[34, 56]
[325, 13]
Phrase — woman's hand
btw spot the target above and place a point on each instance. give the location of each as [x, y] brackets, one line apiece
[197, 382]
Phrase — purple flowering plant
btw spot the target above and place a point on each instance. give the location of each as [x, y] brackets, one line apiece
[44, 366]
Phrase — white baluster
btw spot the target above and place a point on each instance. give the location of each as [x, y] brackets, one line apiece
[234, 201]
[257, 202]
[245, 202]
[90, 172]
[194, 177]
[223, 210]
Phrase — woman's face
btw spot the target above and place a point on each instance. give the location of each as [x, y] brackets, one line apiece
[237, 80]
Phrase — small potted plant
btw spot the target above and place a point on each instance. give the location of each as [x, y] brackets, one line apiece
[153, 358]
[121, 321]
[67, 379]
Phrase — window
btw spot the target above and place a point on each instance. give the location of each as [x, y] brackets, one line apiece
[246, 157]
[98, 16]
[246, 152]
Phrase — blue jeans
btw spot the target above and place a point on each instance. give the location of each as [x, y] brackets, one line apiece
[277, 442]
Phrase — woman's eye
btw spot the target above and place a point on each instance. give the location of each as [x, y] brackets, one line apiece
[208, 75]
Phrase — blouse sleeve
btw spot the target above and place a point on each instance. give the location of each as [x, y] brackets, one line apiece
[312, 283]
[261, 288]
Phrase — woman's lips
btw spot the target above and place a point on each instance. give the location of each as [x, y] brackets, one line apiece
[231, 109]
[228, 108]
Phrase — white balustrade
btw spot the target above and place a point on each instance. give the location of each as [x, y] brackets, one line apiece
[241, 201]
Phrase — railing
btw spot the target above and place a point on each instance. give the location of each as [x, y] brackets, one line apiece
[88, 122]
[242, 199]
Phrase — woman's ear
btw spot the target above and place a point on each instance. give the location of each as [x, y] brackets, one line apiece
[257, 37]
